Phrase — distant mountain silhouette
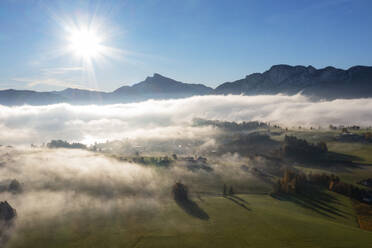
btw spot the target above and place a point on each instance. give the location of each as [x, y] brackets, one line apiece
[326, 83]
[21, 97]
[79, 96]
[159, 86]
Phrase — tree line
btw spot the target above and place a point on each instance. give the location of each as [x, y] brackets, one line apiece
[296, 182]
[296, 147]
[65, 144]
[230, 125]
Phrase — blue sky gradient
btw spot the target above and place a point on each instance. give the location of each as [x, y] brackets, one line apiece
[194, 41]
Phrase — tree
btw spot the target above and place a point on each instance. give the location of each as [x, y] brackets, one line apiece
[231, 190]
[368, 136]
[332, 127]
[323, 146]
[224, 189]
[180, 192]
[15, 186]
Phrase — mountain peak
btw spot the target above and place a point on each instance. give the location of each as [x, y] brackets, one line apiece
[329, 68]
[158, 84]
[157, 75]
[311, 69]
[280, 67]
[156, 78]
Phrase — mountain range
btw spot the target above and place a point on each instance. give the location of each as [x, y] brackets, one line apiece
[325, 83]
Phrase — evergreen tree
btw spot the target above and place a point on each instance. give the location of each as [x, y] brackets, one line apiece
[231, 190]
[224, 189]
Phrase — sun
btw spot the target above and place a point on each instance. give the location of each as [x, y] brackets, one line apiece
[87, 40]
[85, 43]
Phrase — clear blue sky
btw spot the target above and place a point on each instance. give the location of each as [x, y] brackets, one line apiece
[194, 41]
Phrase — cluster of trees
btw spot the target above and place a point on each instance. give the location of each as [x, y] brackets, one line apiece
[180, 192]
[13, 187]
[296, 182]
[323, 179]
[158, 161]
[352, 191]
[65, 144]
[228, 190]
[296, 147]
[344, 128]
[291, 182]
[231, 126]
[194, 160]
[275, 126]
[246, 144]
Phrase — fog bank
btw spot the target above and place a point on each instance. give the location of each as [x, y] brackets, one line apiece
[171, 118]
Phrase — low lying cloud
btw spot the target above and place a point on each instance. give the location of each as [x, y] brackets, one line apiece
[73, 179]
[61, 182]
[171, 118]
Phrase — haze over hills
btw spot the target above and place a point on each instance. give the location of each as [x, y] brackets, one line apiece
[325, 83]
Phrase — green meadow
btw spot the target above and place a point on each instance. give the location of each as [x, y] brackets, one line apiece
[254, 218]
[239, 221]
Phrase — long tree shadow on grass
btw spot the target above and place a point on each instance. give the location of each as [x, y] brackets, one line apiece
[315, 199]
[237, 200]
[180, 193]
[191, 208]
[332, 161]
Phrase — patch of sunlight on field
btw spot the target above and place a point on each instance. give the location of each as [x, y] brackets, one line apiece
[363, 153]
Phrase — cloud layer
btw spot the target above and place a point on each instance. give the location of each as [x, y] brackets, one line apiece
[171, 118]
[59, 182]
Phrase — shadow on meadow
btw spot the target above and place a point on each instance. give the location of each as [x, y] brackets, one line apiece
[238, 201]
[192, 209]
[315, 199]
[180, 194]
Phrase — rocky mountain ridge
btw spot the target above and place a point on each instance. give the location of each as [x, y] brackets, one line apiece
[325, 83]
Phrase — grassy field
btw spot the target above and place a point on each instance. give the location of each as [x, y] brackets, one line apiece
[359, 170]
[363, 154]
[241, 221]
[360, 154]
[324, 219]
